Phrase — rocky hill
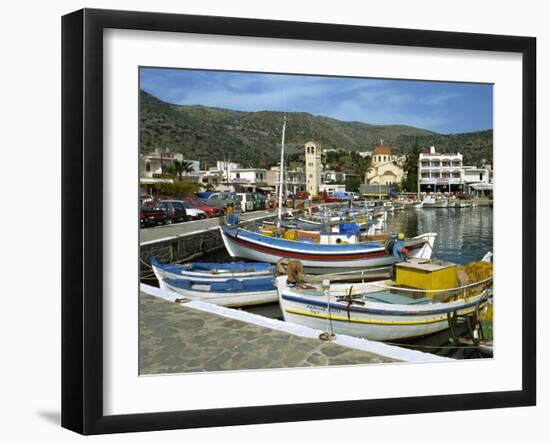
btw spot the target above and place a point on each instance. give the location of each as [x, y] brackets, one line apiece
[253, 138]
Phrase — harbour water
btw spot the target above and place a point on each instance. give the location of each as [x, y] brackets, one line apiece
[464, 234]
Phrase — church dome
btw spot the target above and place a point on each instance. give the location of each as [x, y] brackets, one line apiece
[382, 150]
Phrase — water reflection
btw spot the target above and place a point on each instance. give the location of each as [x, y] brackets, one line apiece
[464, 235]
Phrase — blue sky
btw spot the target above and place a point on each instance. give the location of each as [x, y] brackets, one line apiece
[437, 106]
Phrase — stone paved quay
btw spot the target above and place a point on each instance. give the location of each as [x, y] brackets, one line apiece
[175, 339]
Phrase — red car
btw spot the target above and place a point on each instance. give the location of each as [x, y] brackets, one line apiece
[302, 195]
[211, 210]
[325, 198]
[151, 216]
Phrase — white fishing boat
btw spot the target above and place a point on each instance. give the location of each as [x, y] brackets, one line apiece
[378, 310]
[369, 226]
[319, 252]
[441, 203]
[230, 293]
[461, 204]
[435, 202]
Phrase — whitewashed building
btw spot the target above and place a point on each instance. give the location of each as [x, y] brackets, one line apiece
[445, 172]
[439, 172]
[295, 179]
[156, 162]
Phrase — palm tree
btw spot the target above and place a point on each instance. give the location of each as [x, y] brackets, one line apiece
[182, 167]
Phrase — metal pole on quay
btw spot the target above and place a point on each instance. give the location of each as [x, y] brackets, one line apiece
[328, 335]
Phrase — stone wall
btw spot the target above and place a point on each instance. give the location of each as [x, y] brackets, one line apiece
[181, 248]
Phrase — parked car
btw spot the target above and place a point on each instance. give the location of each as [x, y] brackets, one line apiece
[146, 199]
[225, 199]
[344, 195]
[302, 195]
[325, 198]
[151, 216]
[193, 213]
[174, 209]
[210, 209]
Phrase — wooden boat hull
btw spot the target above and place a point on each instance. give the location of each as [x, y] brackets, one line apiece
[318, 258]
[212, 290]
[183, 272]
[374, 321]
[234, 300]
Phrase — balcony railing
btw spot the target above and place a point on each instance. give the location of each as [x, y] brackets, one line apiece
[442, 181]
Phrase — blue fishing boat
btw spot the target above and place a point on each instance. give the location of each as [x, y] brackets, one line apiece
[230, 293]
[212, 271]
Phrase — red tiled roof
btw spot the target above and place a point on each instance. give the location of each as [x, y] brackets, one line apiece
[382, 150]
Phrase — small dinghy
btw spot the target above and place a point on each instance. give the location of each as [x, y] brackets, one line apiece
[230, 293]
[211, 271]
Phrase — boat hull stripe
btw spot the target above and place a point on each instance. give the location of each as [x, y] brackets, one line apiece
[377, 311]
[373, 322]
[310, 256]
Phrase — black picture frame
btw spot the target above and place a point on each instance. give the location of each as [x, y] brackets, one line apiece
[82, 230]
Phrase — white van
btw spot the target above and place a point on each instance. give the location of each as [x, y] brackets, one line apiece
[247, 201]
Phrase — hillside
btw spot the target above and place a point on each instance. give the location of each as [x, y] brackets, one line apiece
[253, 138]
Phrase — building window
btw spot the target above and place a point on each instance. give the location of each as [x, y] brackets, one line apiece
[148, 167]
[481, 177]
[238, 175]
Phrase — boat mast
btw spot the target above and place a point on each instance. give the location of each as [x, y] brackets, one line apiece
[418, 179]
[281, 174]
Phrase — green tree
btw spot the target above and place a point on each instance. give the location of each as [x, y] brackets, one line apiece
[411, 168]
[182, 167]
[353, 183]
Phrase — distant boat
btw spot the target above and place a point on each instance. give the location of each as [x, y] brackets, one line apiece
[460, 204]
[433, 202]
